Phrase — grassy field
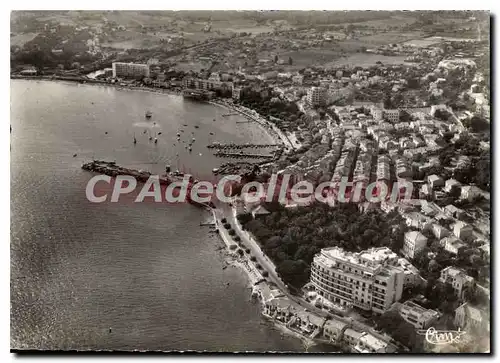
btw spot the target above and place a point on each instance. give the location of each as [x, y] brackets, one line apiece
[366, 60]
[396, 20]
[309, 57]
[422, 43]
[21, 39]
[388, 38]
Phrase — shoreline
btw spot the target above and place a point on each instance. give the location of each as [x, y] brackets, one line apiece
[232, 258]
[271, 131]
[275, 133]
[255, 281]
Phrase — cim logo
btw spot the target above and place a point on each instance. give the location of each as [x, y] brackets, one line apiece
[441, 337]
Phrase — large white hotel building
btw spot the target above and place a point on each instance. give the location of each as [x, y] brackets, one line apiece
[130, 70]
[370, 279]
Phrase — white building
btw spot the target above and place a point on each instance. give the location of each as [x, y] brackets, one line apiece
[316, 96]
[450, 184]
[435, 181]
[439, 231]
[462, 230]
[130, 70]
[370, 279]
[377, 113]
[417, 220]
[414, 243]
[417, 316]
[412, 275]
[334, 330]
[460, 281]
[452, 244]
[367, 343]
[236, 93]
[470, 192]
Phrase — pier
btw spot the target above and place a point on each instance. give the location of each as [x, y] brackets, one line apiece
[242, 155]
[112, 169]
[240, 146]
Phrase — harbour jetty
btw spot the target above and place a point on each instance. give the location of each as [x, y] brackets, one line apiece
[220, 146]
[112, 169]
[242, 155]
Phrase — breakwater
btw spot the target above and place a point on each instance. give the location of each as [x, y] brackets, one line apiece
[243, 155]
[110, 168]
[217, 145]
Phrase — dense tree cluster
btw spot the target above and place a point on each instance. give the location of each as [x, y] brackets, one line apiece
[478, 171]
[265, 103]
[477, 124]
[292, 236]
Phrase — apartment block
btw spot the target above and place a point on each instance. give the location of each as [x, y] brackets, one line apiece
[460, 281]
[370, 279]
[384, 168]
[392, 115]
[414, 243]
[130, 70]
[316, 96]
[201, 84]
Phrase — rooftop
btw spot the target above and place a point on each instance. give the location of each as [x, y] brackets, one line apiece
[458, 273]
[334, 324]
[373, 342]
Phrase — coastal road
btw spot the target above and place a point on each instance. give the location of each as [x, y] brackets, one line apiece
[224, 210]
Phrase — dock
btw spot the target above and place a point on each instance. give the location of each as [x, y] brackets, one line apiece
[207, 223]
[221, 146]
[243, 155]
[112, 169]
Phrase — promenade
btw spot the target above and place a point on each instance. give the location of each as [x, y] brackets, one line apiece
[224, 210]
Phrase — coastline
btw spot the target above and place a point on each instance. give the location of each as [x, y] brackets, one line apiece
[257, 282]
[271, 130]
[275, 133]
[254, 275]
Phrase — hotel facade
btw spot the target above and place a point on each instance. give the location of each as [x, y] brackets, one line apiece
[130, 70]
[370, 279]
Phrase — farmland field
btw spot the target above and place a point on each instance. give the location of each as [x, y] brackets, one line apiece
[388, 38]
[309, 57]
[366, 60]
[21, 39]
[422, 43]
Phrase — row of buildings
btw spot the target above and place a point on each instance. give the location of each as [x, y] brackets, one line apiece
[283, 311]
[374, 279]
